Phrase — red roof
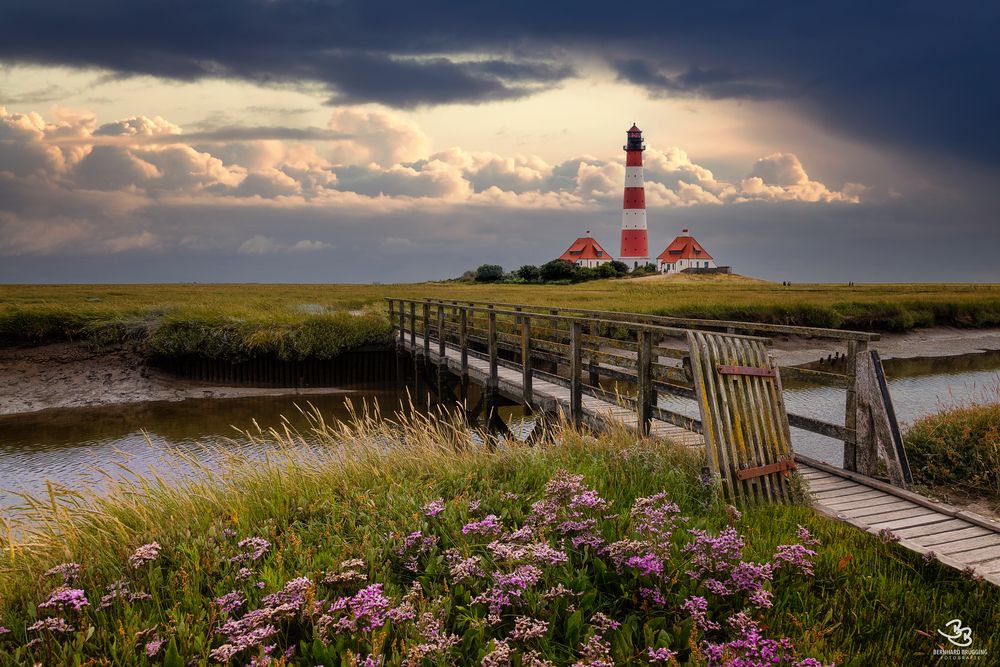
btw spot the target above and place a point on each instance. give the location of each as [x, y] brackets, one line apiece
[585, 247]
[683, 247]
[634, 128]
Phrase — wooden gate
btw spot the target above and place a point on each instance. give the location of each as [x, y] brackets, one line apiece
[747, 439]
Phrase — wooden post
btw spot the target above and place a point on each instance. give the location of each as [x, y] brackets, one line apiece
[645, 381]
[441, 333]
[575, 386]
[866, 437]
[413, 327]
[851, 408]
[526, 361]
[427, 331]
[594, 378]
[392, 312]
[402, 324]
[463, 342]
[494, 379]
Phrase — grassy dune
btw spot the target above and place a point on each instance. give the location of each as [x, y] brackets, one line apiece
[312, 557]
[295, 321]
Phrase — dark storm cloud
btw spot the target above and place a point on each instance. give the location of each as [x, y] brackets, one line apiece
[913, 74]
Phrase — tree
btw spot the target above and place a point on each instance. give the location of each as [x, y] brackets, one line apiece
[558, 269]
[489, 273]
[529, 273]
[621, 268]
[607, 270]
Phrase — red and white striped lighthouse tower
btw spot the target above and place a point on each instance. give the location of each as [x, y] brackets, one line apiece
[635, 246]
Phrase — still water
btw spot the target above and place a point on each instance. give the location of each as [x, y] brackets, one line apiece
[69, 447]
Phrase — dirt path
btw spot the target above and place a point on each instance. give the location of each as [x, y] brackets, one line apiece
[68, 375]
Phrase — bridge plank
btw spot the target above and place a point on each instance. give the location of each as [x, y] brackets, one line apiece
[906, 522]
[841, 495]
[969, 544]
[959, 533]
[980, 555]
[890, 508]
[932, 529]
[859, 497]
[850, 503]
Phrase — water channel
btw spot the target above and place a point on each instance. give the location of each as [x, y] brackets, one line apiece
[69, 447]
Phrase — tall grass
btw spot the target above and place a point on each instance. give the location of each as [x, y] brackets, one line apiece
[354, 490]
[958, 449]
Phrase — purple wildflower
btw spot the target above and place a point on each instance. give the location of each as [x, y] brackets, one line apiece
[414, 547]
[508, 586]
[660, 656]
[652, 595]
[655, 517]
[805, 537]
[463, 568]
[436, 642]
[886, 536]
[348, 573]
[53, 624]
[595, 652]
[603, 623]
[489, 525]
[228, 533]
[4, 631]
[371, 661]
[434, 507]
[527, 628]
[68, 571]
[713, 555]
[244, 573]
[648, 565]
[795, 556]
[474, 506]
[231, 602]
[153, 647]
[147, 553]
[499, 656]
[697, 606]
[253, 548]
[929, 556]
[64, 598]
[572, 509]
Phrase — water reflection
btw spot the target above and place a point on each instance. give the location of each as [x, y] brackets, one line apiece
[66, 446]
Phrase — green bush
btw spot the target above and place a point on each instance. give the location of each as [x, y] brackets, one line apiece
[489, 273]
[958, 448]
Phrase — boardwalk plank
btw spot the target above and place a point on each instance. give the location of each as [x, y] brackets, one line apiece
[889, 517]
[962, 532]
[850, 504]
[860, 493]
[893, 508]
[980, 555]
[907, 522]
[970, 544]
[933, 529]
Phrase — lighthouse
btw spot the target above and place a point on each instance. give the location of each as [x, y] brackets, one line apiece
[635, 246]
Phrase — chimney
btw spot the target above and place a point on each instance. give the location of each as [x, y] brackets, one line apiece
[684, 232]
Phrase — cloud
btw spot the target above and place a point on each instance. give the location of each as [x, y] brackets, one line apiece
[82, 196]
[869, 75]
[264, 245]
[376, 136]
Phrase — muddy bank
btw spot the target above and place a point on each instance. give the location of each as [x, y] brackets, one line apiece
[936, 342]
[68, 375]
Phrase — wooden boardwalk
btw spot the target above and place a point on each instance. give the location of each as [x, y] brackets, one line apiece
[955, 537]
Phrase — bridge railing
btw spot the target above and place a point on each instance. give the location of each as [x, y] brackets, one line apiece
[643, 351]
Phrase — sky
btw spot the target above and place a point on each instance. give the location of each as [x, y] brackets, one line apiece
[370, 141]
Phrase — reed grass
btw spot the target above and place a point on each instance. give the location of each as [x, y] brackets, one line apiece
[957, 450]
[352, 490]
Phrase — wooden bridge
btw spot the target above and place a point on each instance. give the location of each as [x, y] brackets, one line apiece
[598, 367]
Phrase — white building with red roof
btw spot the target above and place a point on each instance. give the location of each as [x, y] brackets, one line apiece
[587, 252]
[684, 252]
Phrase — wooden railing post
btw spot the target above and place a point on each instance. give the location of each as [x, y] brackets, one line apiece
[392, 313]
[575, 385]
[494, 380]
[592, 366]
[644, 404]
[427, 330]
[441, 332]
[413, 327]
[851, 407]
[402, 323]
[526, 361]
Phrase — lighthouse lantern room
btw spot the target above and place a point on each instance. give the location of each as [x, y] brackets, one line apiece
[635, 245]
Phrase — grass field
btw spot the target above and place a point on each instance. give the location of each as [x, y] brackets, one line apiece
[324, 320]
[341, 556]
